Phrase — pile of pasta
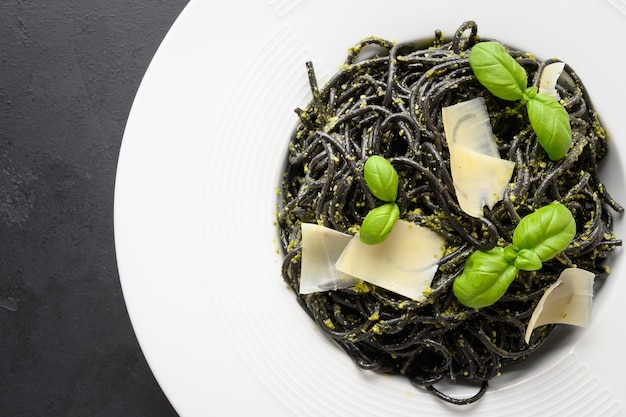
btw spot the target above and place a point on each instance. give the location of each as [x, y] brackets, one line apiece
[387, 100]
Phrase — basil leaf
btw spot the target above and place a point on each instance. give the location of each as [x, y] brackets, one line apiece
[546, 232]
[529, 94]
[528, 260]
[381, 178]
[485, 279]
[550, 121]
[498, 71]
[378, 223]
[538, 237]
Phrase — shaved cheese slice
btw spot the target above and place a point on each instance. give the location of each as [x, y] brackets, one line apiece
[467, 124]
[479, 180]
[567, 301]
[404, 263]
[479, 175]
[549, 77]
[321, 247]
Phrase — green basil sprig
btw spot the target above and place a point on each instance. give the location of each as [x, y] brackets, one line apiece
[539, 237]
[382, 181]
[505, 78]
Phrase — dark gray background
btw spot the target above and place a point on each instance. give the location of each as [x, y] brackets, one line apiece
[69, 71]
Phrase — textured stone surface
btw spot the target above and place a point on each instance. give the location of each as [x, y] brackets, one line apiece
[69, 71]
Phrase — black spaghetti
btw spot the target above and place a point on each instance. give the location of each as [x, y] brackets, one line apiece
[389, 104]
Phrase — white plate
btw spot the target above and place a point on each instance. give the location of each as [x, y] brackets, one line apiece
[196, 193]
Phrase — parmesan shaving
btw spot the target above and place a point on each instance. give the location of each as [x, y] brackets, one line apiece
[404, 263]
[549, 77]
[567, 301]
[321, 247]
[479, 175]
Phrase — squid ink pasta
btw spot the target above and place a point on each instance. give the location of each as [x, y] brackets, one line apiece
[389, 103]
